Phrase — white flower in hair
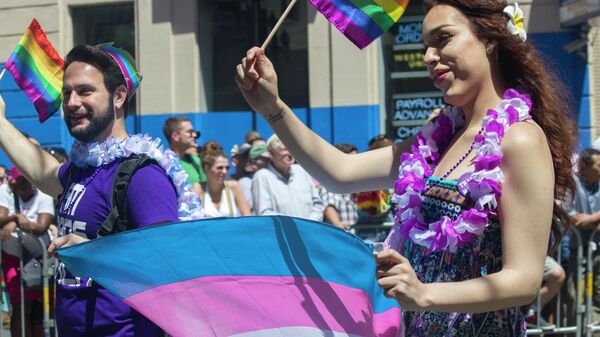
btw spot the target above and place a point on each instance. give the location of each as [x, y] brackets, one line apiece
[516, 24]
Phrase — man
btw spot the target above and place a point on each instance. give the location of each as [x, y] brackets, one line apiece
[97, 89]
[585, 212]
[182, 140]
[239, 158]
[284, 188]
[340, 209]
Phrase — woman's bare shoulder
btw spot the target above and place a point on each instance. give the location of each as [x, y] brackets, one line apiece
[525, 136]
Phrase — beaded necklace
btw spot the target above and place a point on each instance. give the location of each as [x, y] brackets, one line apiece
[455, 166]
[73, 201]
[483, 185]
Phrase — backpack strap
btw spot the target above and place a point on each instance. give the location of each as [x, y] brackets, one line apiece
[117, 221]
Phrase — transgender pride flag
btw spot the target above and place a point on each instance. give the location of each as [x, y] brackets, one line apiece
[251, 276]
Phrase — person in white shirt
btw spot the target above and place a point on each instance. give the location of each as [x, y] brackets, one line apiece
[35, 216]
[284, 188]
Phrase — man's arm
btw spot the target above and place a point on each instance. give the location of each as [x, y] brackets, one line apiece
[39, 227]
[36, 164]
[586, 221]
[332, 216]
[331, 213]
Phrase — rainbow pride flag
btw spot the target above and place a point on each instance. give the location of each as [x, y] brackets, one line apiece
[362, 21]
[38, 70]
[250, 276]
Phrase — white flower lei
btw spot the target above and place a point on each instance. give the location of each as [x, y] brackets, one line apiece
[97, 154]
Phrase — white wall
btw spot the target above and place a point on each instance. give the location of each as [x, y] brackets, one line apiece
[355, 73]
[16, 15]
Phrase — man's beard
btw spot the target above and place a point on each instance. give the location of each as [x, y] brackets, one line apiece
[98, 122]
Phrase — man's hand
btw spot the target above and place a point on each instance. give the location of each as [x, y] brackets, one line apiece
[65, 241]
[343, 225]
[585, 221]
[7, 230]
[24, 223]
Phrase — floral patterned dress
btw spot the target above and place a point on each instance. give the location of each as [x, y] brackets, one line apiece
[482, 257]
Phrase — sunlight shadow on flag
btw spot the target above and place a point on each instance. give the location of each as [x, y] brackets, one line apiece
[249, 276]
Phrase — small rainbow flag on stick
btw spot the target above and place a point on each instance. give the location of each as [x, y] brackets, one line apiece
[362, 21]
[38, 70]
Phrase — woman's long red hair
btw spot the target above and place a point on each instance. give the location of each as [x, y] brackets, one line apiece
[521, 66]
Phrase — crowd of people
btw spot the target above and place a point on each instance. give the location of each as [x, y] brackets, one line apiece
[263, 174]
[268, 181]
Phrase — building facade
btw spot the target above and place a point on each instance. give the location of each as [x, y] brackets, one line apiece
[187, 50]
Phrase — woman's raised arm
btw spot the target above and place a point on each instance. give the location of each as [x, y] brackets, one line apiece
[337, 171]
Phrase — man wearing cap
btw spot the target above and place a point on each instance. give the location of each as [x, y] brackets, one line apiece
[98, 84]
[181, 136]
[36, 212]
[239, 160]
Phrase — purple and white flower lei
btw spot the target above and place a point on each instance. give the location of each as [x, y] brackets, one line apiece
[483, 185]
[97, 154]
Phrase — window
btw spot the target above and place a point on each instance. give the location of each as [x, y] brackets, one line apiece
[230, 27]
[106, 23]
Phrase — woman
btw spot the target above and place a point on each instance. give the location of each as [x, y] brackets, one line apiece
[474, 214]
[220, 197]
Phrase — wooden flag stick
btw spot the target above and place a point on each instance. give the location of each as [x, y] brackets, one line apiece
[278, 24]
[2, 73]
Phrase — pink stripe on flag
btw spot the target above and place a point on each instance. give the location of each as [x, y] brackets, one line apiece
[227, 305]
[345, 24]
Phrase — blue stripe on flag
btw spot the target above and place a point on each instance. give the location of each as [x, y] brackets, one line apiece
[253, 246]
